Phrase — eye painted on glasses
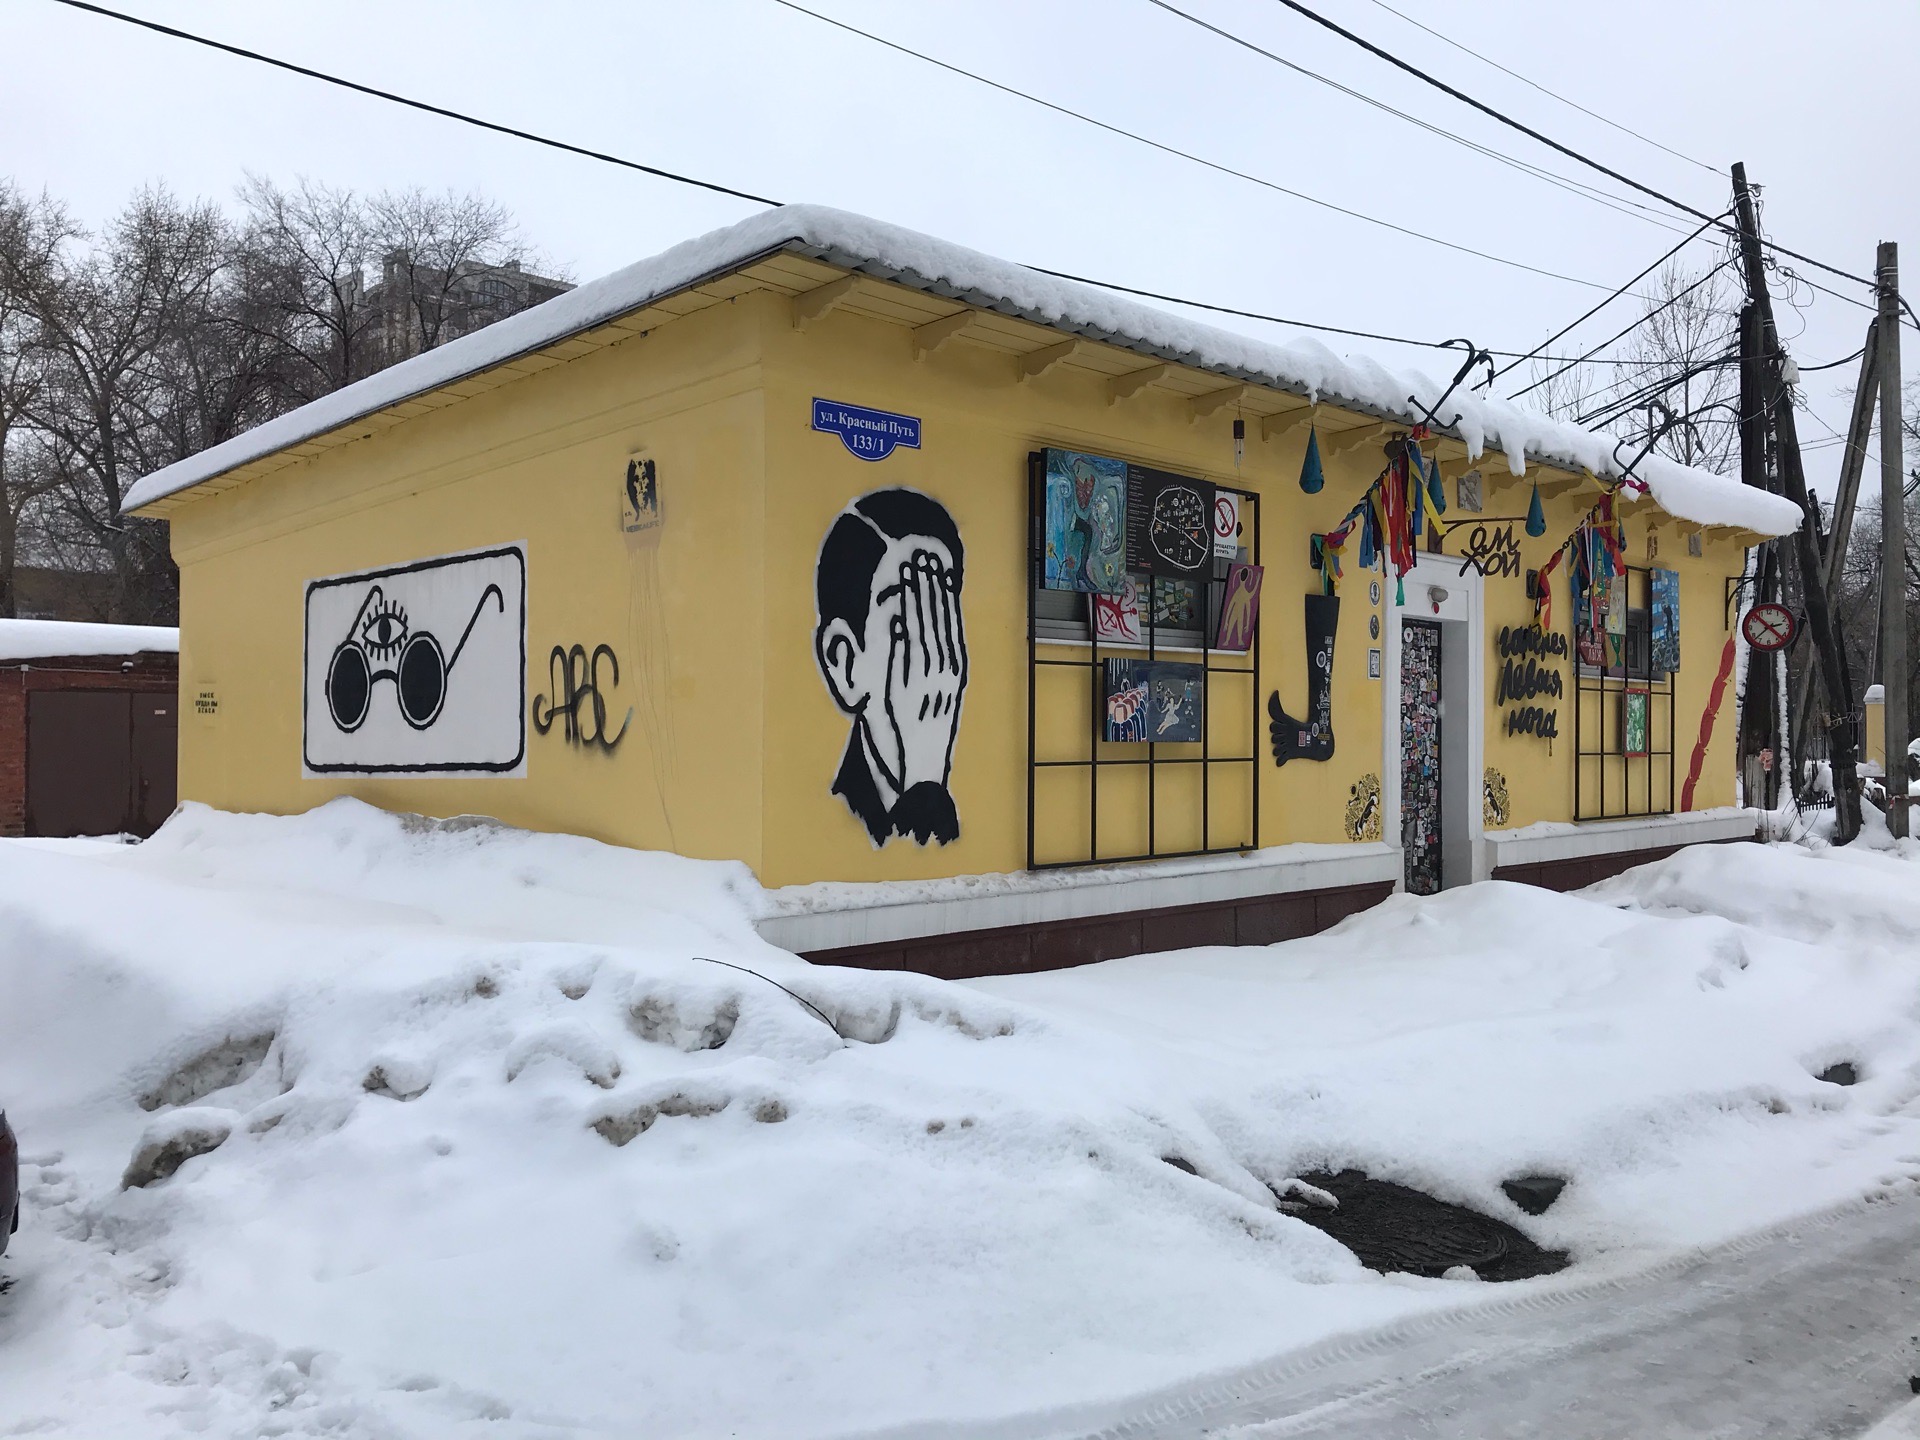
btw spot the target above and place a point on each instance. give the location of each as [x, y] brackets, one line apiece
[384, 630]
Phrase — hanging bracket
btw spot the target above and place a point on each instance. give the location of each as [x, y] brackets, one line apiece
[1428, 413]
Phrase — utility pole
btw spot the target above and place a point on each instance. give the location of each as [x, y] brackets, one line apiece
[1793, 482]
[1893, 538]
[1866, 396]
[1756, 700]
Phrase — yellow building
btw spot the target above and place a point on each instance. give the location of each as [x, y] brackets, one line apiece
[867, 559]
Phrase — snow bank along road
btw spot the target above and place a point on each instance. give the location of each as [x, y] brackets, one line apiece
[353, 1126]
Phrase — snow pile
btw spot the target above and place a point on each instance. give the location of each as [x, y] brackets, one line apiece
[48, 639]
[908, 257]
[359, 1126]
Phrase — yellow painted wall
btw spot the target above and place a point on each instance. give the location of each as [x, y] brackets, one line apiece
[734, 739]
[1538, 773]
[538, 461]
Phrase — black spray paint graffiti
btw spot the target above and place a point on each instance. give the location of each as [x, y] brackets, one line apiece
[417, 666]
[1312, 738]
[1492, 551]
[892, 648]
[578, 696]
[1523, 677]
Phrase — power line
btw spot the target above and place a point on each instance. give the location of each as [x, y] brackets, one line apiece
[1327, 329]
[1550, 94]
[439, 110]
[1602, 305]
[1188, 155]
[1612, 202]
[1551, 143]
[656, 171]
[1667, 304]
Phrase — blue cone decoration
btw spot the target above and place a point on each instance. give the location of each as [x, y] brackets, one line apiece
[1312, 476]
[1536, 516]
[1436, 492]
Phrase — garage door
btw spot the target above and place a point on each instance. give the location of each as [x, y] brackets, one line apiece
[79, 761]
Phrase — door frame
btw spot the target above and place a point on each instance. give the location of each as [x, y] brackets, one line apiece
[1463, 669]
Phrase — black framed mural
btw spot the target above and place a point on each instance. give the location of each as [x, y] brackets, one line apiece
[891, 643]
[418, 669]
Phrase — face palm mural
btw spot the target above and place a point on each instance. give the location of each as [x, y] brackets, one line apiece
[893, 650]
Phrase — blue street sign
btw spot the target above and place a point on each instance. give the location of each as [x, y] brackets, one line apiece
[867, 434]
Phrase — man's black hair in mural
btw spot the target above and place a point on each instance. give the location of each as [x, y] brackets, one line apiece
[893, 651]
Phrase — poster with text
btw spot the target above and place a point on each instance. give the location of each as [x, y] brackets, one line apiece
[1169, 523]
[418, 669]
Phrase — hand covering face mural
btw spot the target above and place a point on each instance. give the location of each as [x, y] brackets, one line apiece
[892, 648]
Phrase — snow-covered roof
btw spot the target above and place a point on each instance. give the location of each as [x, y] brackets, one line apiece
[46, 639]
[906, 257]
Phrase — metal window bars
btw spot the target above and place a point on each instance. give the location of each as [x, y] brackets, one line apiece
[1221, 671]
[1601, 762]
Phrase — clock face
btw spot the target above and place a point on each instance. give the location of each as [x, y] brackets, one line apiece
[1181, 530]
[1768, 626]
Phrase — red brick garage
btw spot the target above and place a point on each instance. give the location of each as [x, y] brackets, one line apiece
[89, 727]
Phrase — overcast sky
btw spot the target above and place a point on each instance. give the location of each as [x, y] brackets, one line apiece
[1811, 97]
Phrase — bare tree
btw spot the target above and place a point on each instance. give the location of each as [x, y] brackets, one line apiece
[31, 234]
[303, 259]
[1684, 356]
[110, 316]
[175, 329]
[429, 245]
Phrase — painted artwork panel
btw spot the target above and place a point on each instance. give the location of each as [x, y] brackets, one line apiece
[1128, 700]
[1116, 618]
[1240, 608]
[1177, 692]
[418, 669]
[1086, 522]
[1665, 620]
[1169, 523]
[1634, 716]
[1176, 604]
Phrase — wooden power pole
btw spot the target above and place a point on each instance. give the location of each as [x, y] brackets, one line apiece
[1793, 480]
[1866, 398]
[1893, 538]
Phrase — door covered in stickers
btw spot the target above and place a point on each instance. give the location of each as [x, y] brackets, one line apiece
[1420, 754]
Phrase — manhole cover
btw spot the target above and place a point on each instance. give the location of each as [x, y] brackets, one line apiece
[1393, 1228]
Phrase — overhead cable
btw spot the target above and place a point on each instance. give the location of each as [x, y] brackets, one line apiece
[439, 110]
[310, 73]
[1613, 202]
[1603, 304]
[1667, 304]
[1547, 140]
[1550, 94]
[1164, 148]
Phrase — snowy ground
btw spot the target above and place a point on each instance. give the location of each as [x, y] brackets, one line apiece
[503, 1159]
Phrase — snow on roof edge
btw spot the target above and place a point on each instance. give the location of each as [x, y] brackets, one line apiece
[58, 639]
[855, 242]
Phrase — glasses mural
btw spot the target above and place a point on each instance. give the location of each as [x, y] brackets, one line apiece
[418, 669]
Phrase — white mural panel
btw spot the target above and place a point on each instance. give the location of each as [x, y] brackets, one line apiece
[419, 669]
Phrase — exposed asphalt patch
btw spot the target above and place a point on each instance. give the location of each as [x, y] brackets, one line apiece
[1393, 1228]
